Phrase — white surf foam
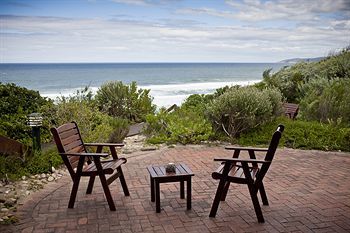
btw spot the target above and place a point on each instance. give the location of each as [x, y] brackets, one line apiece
[166, 95]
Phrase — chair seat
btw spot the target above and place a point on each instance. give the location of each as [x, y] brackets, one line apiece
[236, 173]
[108, 167]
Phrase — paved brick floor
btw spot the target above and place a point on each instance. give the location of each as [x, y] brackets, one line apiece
[309, 191]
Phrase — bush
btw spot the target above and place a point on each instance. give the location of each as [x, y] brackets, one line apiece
[124, 101]
[16, 103]
[185, 125]
[300, 134]
[40, 162]
[327, 101]
[109, 130]
[241, 109]
[68, 110]
[290, 80]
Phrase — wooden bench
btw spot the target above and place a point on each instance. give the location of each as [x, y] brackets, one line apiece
[291, 110]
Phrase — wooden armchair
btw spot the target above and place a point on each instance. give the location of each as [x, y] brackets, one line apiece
[245, 171]
[81, 163]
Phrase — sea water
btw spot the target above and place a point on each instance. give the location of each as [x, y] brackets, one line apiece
[170, 83]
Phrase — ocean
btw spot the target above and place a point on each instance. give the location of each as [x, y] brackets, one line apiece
[170, 83]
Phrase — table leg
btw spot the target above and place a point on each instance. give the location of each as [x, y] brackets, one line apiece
[157, 196]
[182, 189]
[189, 193]
[152, 189]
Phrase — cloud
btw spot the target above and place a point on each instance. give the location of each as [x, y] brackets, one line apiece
[58, 39]
[133, 2]
[144, 2]
[289, 10]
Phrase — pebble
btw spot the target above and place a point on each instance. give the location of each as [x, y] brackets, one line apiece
[43, 175]
[4, 210]
[50, 179]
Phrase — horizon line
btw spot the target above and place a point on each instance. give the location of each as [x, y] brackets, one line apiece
[192, 62]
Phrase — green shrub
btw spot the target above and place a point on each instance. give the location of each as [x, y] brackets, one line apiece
[110, 130]
[188, 127]
[327, 101]
[16, 103]
[300, 134]
[240, 109]
[185, 125]
[125, 101]
[86, 116]
[290, 80]
[42, 162]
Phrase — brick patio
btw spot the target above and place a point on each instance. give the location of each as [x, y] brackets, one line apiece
[308, 191]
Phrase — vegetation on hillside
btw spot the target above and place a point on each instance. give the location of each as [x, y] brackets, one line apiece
[242, 115]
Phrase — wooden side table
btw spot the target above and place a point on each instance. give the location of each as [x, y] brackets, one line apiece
[158, 175]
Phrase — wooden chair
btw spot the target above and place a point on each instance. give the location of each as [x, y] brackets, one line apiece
[291, 110]
[81, 163]
[245, 171]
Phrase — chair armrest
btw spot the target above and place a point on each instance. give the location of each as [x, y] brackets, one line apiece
[245, 148]
[86, 154]
[233, 160]
[104, 144]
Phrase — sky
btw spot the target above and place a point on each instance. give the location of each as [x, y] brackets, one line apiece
[45, 31]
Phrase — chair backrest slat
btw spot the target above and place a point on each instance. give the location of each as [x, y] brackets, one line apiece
[68, 140]
[270, 152]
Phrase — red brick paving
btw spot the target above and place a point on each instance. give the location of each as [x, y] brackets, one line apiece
[308, 191]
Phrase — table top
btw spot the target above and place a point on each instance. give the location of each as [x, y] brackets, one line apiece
[157, 171]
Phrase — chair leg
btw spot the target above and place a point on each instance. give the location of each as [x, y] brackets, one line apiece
[74, 191]
[107, 192]
[225, 191]
[218, 195]
[123, 183]
[105, 184]
[76, 181]
[263, 194]
[255, 200]
[90, 185]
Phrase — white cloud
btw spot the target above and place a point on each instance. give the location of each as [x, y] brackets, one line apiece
[55, 39]
[132, 2]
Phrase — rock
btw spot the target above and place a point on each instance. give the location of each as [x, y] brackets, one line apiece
[27, 193]
[50, 179]
[53, 169]
[2, 198]
[5, 218]
[148, 148]
[4, 210]
[127, 151]
[10, 202]
[24, 177]
[43, 176]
